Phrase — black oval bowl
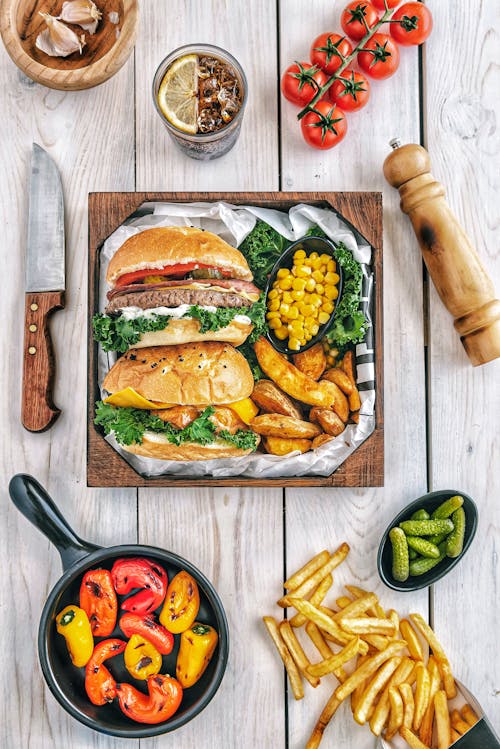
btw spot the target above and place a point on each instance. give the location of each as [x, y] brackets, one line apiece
[309, 244]
[427, 502]
[67, 682]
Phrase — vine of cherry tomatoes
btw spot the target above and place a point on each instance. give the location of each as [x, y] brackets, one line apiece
[327, 87]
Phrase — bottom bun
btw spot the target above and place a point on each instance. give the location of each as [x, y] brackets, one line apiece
[187, 330]
[156, 446]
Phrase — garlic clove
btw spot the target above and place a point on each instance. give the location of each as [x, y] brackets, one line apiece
[83, 13]
[57, 40]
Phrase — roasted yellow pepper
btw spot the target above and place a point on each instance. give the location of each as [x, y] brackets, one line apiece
[196, 649]
[73, 624]
[141, 658]
[182, 603]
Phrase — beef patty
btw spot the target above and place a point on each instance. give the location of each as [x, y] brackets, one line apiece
[174, 297]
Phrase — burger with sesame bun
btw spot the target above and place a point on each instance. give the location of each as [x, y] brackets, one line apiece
[178, 284]
[179, 402]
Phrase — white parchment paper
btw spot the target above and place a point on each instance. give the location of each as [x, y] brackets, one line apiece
[233, 223]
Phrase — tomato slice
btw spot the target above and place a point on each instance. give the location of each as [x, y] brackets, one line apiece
[178, 269]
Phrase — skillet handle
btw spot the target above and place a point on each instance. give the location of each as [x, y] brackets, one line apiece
[32, 500]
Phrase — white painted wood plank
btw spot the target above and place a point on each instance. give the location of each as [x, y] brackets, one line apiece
[91, 138]
[465, 149]
[323, 518]
[234, 536]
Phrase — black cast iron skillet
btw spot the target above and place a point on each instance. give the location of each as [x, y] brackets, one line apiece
[67, 682]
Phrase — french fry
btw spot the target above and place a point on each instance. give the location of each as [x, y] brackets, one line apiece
[327, 714]
[425, 732]
[321, 616]
[348, 367]
[439, 654]
[314, 580]
[291, 668]
[412, 640]
[379, 642]
[374, 687]
[367, 626]
[296, 651]
[335, 661]
[356, 695]
[339, 377]
[403, 673]
[454, 735]
[442, 719]
[343, 601]
[317, 597]
[367, 669]
[307, 570]
[394, 617]
[357, 607]
[422, 694]
[469, 715]
[396, 714]
[412, 740]
[458, 724]
[408, 704]
[376, 610]
[324, 649]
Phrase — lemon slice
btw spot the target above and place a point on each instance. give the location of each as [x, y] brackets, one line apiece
[177, 97]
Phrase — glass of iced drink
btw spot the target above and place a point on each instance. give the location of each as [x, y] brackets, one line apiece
[200, 92]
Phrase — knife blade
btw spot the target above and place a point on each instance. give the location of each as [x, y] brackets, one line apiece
[45, 286]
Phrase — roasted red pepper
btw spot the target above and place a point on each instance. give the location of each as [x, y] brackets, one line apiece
[147, 626]
[99, 683]
[163, 700]
[98, 600]
[137, 572]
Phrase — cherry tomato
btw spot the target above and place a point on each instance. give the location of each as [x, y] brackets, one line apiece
[415, 24]
[380, 56]
[301, 81]
[329, 50]
[325, 126]
[350, 92]
[380, 4]
[356, 17]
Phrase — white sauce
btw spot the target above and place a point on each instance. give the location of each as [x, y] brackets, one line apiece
[131, 313]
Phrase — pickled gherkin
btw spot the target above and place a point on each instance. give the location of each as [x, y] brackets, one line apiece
[400, 558]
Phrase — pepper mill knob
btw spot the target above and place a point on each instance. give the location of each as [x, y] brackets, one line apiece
[453, 264]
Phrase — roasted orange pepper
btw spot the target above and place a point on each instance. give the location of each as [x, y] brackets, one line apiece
[163, 700]
[198, 644]
[141, 658]
[147, 626]
[182, 603]
[73, 624]
[99, 682]
[98, 600]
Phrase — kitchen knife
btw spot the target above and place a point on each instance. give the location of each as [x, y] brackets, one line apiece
[45, 285]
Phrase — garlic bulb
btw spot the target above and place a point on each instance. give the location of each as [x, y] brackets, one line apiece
[58, 40]
[83, 13]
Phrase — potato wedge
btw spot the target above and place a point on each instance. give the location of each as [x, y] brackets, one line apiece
[348, 367]
[269, 398]
[294, 382]
[276, 425]
[328, 420]
[282, 446]
[339, 377]
[321, 439]
[311, 362]
[340, 404]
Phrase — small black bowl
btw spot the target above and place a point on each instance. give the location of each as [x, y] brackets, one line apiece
[309, 244]
[428, 502]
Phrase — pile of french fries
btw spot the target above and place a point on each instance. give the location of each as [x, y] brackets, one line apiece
[304, 404]
[377, 659]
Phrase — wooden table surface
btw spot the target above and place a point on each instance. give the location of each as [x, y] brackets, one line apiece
[441, 415]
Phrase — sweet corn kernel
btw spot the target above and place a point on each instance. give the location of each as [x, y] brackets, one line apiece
[297, 296]
[316, 300]
[273, 315]
[287, 297]
[303, 271]
[286, 283]
[310, 284]
[274, 305]
[299, 284]
[299, 253]
[281, 333]
[325, 259]
[298, 262]
[293, 313]
[275, 324]
[323, 318]
[327, 307]
[315, 329]
[282, 273]
[318, 276]
[330, 266]
[273, 294]
[293, 343]
[320, 289]
[316, 264]
[309, 337]
[284, 308]
[331, 292]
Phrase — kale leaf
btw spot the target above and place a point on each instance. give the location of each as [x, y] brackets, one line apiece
[350, 323]
[262, 247]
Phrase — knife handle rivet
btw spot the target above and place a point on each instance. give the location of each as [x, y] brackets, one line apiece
[33, 328]
[32, 350]
[33, 307]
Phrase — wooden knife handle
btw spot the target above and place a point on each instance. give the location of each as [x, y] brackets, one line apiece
[38, 411]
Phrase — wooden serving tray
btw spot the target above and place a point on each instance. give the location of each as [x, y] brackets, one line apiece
[363, 210]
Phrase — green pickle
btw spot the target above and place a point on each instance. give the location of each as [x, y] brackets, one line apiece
[423, 565]
[420, 515]
[455, 541]
[426, 527]
[423, 547]
[438, 538]
[448, 507]
[412, 554]
[400, 557]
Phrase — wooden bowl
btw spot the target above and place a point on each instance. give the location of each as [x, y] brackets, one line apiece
[103, 55]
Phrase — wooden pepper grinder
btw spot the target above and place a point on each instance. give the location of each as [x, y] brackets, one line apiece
[453, 264]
